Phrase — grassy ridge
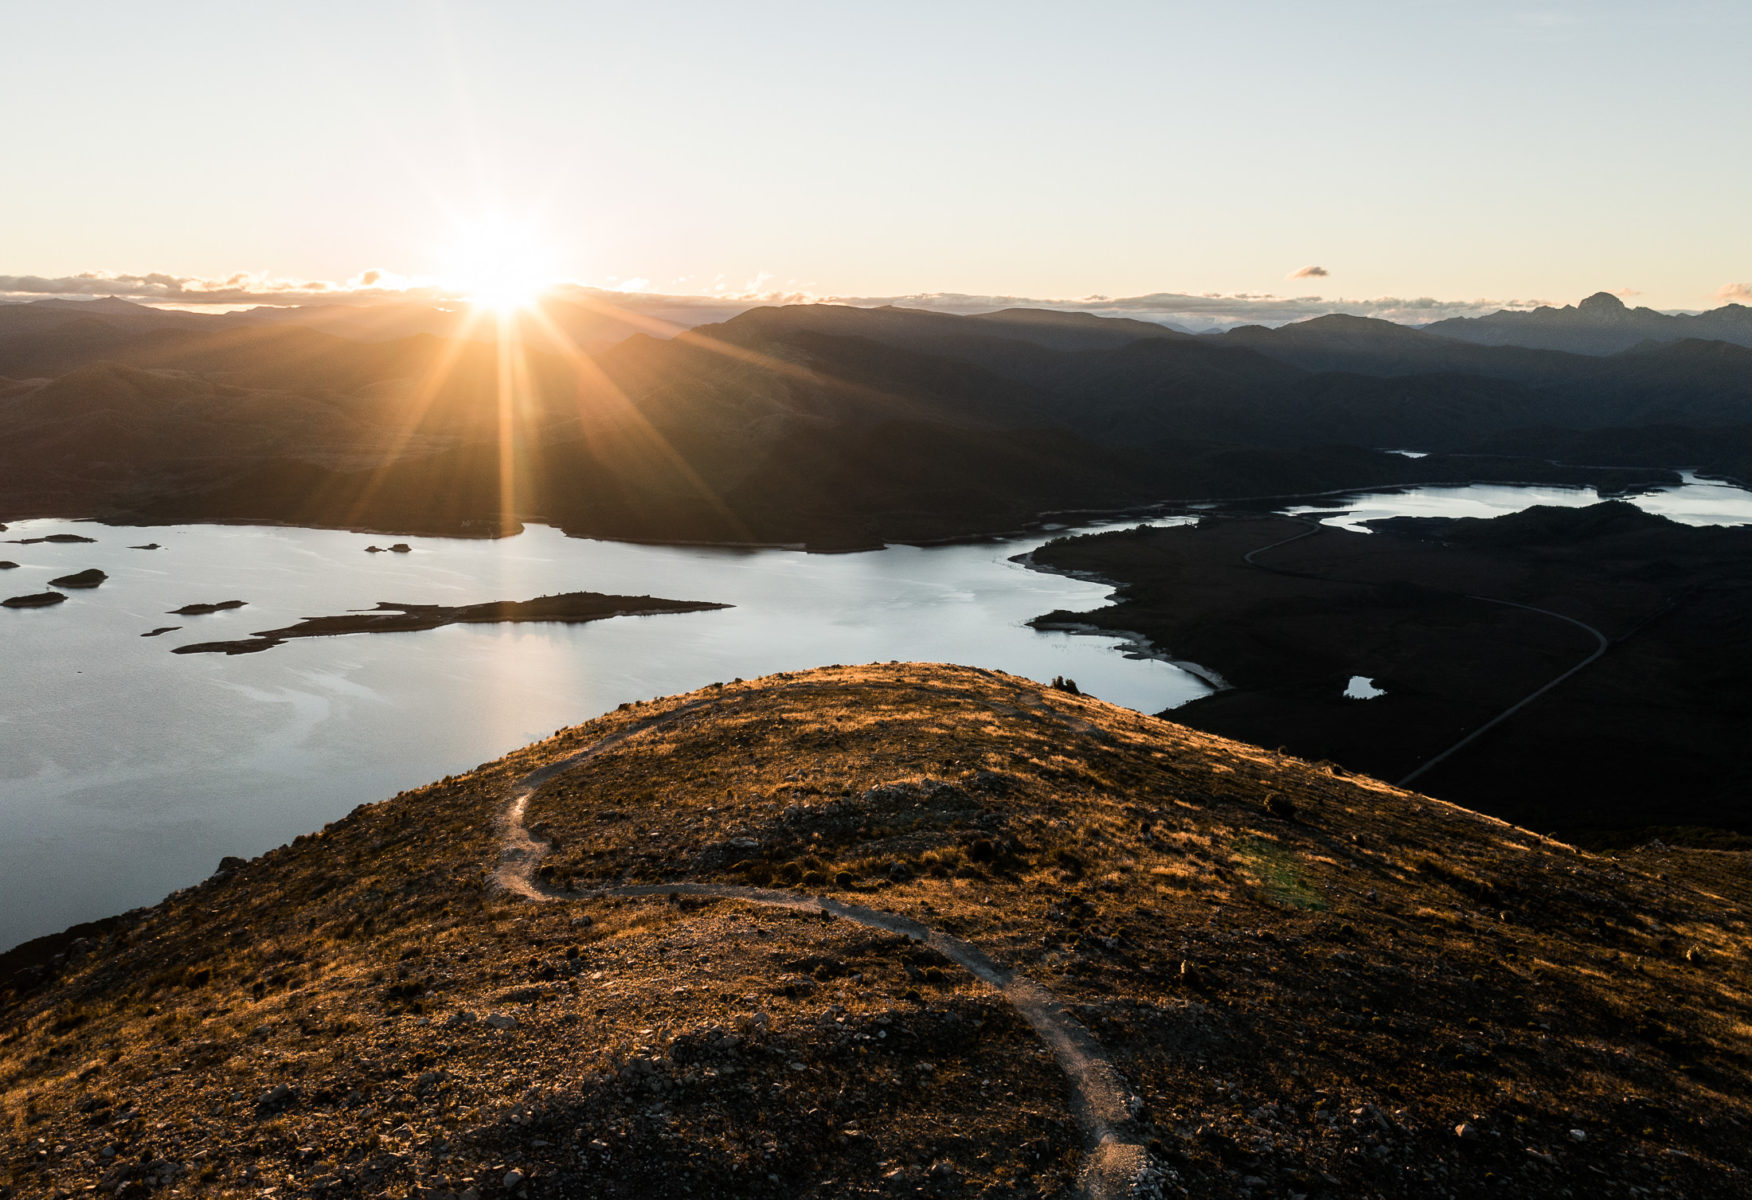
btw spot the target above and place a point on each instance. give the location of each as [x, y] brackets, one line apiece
[1305, 977]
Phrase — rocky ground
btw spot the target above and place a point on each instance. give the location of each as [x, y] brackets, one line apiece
[1311, 983]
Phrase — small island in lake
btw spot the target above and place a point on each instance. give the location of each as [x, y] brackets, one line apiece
[569, 607]
[80, 579]
[201, 610]
[38, 600]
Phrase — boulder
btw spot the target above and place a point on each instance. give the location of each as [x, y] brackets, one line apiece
[276, 1099]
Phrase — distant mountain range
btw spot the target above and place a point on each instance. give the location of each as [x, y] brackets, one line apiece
[825, 424]
[1601, 324]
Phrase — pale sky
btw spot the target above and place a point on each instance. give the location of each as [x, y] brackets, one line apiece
[1456, 149]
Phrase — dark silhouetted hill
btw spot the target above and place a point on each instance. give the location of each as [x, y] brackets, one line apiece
[823, 424]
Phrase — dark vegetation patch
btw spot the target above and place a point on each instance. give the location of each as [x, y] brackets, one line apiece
[1646, 738]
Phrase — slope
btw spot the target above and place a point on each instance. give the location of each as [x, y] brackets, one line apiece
[1060, 948]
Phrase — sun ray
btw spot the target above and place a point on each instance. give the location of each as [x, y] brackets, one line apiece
[414, 411]
[589, 371]
[501, 270]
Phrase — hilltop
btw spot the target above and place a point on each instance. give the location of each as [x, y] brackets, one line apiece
[896, 930]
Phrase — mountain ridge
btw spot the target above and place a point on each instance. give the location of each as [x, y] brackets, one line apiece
[1289, 973]
[935, 425]
[1600, 324]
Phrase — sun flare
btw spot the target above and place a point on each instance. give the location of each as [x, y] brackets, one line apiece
[499, 265]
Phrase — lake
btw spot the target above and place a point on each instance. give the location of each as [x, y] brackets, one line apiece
[1695, 501]
[127, 771]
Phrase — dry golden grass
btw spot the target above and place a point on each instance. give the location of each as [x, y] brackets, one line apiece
[1259, 981]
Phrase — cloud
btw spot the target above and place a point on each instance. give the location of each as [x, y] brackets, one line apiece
[1210, 311]
[241, 288]
[1735, 293]
[1308, 273]
[722, 300]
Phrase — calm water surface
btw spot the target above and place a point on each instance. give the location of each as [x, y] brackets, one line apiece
[127, 771]
[1694, 502]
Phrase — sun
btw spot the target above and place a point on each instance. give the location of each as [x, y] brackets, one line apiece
[498, 264]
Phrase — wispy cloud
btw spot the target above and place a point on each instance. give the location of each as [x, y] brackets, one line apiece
[1308, 273]
[1735, 293]
[1213, 310]
[1208, 311]
[159, 287]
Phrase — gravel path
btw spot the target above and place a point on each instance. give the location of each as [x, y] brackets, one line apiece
[1116, 1164]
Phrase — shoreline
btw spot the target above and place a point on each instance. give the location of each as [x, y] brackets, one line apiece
[1135, 645]
[1129, 643]
[1029, 528]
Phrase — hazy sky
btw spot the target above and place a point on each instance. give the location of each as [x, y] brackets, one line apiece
[1436, 148]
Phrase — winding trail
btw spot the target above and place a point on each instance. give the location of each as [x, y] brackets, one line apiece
[1603, 644]
[1116, 1164]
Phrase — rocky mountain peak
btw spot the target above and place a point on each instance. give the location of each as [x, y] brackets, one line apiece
[1602, 304]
